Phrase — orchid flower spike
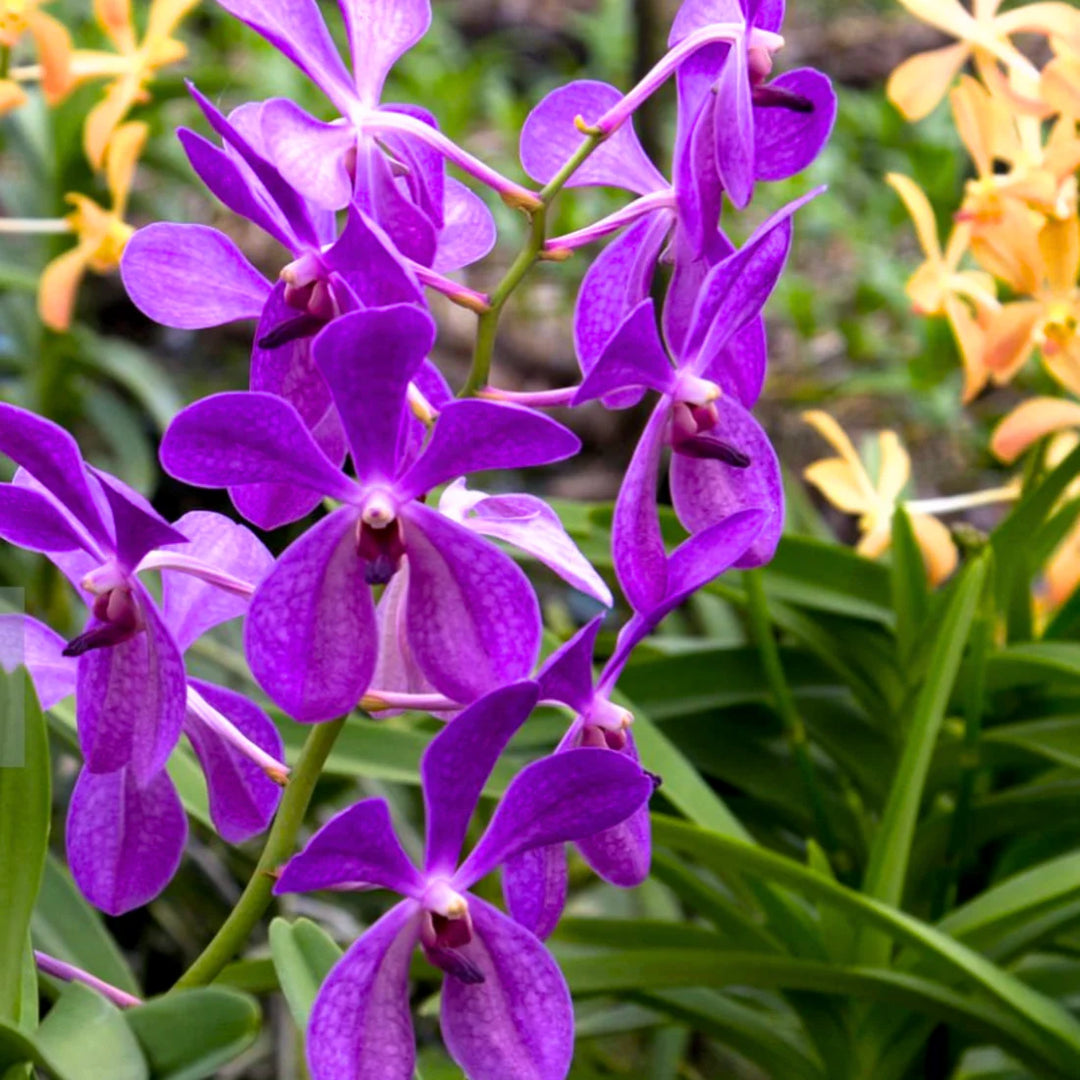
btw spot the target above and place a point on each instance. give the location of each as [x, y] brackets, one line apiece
[52, 42]
[311, 635]
[101, 233]
[505, 1007]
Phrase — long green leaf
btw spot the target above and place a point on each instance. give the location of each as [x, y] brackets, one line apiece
[303, 956]
[891, 847]
[25, 803]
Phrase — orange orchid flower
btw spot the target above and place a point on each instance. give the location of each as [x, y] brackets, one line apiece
[53, 44]
[1061, 79]
[846, 483]
[1050, 319]
[130, 68]
[102, 234]
[938, 287]
[918, 85]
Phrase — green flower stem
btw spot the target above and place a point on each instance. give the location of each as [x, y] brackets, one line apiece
[489, 320]
[784, 700]
[280, 843]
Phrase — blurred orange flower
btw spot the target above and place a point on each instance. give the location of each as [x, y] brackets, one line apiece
[102, 234]
[53, 44]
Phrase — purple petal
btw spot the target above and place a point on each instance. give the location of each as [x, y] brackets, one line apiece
[475, 436]
[567, 796]
[24, 642]
[422, 167]
[637, 544]
[633, 357]
[786, 141]
[243, 798]
[247, 437]
[356, 848]
[368, 261]
[190, 277]
[236, 187]
[468, 232]
[361, 1024]
[705, 492]
[138, 526]
[457, 764]
[767, 14]
[739, 368]
[30, 520]
[699, 193]
[534, 885]
[530, 525]
[380, 31]
[697, 14]
[733, 128]
[550, 137]
[380, 196]
[124, 840]
[567, 674]
[687, 277]
[616, 282]
[368, 359]
[518, 1022]
[472, 616]
[51, 457]
[296, 29]
[310, 634]
[312, 156]
[131, 699]
[396, 669]
[190, 605]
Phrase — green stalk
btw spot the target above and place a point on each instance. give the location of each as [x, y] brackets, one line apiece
[784, 701]
[489, 321]
[280, 843]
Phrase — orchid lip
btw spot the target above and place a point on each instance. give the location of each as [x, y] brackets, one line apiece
[378, 510]
[441, 899]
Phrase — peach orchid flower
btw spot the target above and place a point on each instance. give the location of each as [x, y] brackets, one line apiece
[53, 44]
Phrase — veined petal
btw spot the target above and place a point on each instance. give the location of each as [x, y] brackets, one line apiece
[518, 1022]
[738, 539]
[357, 847]
[361, 1025]
[243, 798]
[621, 855]
[368, 359]
[1030, 421]
[191, 276]
[786, 141]
[473, 436]
[637, 545]
[567, 674]
[468, 232]
[472, 616]
[550, 137]
[51, 456]
[563, 797]
[380, 31]
[534, 886]
[124, 839]
[28, 519]
[380, 196]
[247, 437]
[733, 127]
[917, 86]
[139, 528]
[190, 605]
[739, 368]
[367, 260]
[422, 165]
[131, 699]
[310, 634]
[456, 766]
[25, 642]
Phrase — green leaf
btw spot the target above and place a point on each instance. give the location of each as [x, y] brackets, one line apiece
[85, 1037]
[910, 594]
[190, 1034]
[1057, 739]
[67, 927]
[25, 805]
[890, 849]
[303, 956]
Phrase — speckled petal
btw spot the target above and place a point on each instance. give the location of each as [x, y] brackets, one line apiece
[534, 885]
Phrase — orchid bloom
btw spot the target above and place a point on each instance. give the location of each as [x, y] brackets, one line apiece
[939, 287]
[311, 635]
[102, 234]
[1050, 319]
[917, 86]
[130, 68]
[53, 44]
[845, 482]
[505, 1007]
[1060, 87]
[358, 155]
[126, 831]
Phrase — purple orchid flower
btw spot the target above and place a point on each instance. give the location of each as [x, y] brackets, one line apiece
[683, 214]
[722, 460]
[334, 163]
[126, 833]
[311, 634]
[505, 1007]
